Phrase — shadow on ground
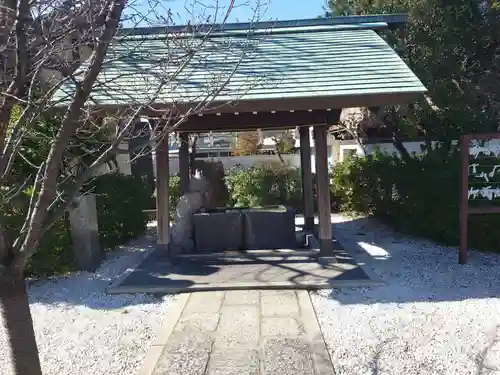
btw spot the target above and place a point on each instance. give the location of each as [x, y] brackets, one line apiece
[413, 270]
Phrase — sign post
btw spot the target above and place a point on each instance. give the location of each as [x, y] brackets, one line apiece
[480, 181]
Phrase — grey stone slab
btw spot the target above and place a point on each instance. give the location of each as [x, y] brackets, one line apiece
[234, 360]
[186, 352]
[278, 326]
[194, 363]
[287, 357]
[189, 340]
[242, 297]
[198, 321]
[279, 303]
[211, 302]
[238, 325]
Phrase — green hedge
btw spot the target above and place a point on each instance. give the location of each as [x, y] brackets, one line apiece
[265, 184]
[54, 254]
[258, 185]
[419, 196]
[174, 194]
[121, 200]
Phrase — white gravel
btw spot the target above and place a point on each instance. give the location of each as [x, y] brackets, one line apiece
[433, 317]
[81, 330]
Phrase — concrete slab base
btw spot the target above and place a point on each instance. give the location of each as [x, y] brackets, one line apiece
[239, 270]
[159, 274]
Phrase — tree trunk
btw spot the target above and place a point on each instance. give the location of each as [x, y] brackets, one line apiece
[280, 156]
[18, 325]
[396, 141]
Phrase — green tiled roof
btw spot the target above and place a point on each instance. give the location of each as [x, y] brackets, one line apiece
[293, 62]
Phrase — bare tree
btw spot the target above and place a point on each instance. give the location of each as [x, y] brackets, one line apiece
[47, 97]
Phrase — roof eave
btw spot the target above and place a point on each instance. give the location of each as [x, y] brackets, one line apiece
[278, 104]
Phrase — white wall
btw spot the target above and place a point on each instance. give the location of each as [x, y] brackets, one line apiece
[246, 161]
[386, 147]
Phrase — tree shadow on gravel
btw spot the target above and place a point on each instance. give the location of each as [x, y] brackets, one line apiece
[482, 359]
[414, 270]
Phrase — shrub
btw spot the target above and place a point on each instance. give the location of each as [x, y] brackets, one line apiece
[419, 196]
[174, 194]
[121, 200]
[55, 253]
[265, 184]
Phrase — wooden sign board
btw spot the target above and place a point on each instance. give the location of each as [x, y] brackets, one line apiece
[480, 185]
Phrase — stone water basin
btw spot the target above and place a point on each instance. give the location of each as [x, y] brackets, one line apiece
[230, 229]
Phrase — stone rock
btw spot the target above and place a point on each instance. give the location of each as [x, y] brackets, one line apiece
[181, 240]
[207, 189]
[213, 173]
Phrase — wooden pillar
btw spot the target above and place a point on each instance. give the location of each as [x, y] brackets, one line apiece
[323, 192]
[162, 177]
[184, 162]
[306, 172]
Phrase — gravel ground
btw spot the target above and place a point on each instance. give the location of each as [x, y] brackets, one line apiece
[433, 317]
[81, 330]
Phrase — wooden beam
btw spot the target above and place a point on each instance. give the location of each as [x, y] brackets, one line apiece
[258, 120]
[162, 177]
[184, 162]
[323, 192]
[306, 172]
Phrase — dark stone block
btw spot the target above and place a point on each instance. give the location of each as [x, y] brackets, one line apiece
[218, 230]
[269, 228]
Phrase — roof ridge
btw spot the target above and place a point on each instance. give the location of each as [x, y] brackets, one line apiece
[392, 21]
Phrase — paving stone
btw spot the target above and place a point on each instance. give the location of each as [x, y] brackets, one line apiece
[238, 325]
[194, 363]
[242, 297]
[279, 303]
[187, 340]
[280, 327]
[287, 357]
[187, 351]
[277, 292]
[234, 360]
[208, 302]
[198, 321]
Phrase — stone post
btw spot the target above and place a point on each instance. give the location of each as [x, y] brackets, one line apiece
[85, 232]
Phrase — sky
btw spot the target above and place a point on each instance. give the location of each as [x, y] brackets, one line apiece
[183, 11]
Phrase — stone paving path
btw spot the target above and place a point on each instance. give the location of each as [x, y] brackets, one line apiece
[269, 332]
